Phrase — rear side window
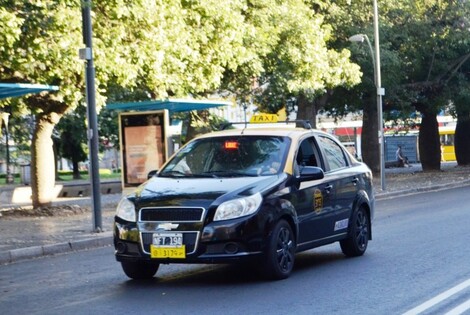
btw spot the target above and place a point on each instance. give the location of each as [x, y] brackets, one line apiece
[334, 154]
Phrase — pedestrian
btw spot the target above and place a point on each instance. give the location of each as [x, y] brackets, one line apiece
[402, 160]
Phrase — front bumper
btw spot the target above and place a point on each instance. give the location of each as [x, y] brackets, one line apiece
[217, 242]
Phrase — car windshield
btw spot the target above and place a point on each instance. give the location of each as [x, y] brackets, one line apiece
[233, 156]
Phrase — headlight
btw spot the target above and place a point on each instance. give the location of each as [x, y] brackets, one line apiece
[238, 207]
[126, 210]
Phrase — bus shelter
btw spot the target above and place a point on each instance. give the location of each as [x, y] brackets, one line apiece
[19, 89]
[146, 139]
[8, 90]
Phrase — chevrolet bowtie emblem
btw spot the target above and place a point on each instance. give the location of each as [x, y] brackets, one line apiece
[167, 226]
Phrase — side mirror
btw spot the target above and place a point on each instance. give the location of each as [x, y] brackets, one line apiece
[151, 174]
[311, 173]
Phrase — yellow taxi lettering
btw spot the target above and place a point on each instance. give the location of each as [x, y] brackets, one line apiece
[263, 118]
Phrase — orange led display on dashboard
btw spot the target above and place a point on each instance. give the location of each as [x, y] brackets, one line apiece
[231, 145]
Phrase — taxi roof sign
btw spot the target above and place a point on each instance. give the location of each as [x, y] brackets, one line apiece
[263, 118]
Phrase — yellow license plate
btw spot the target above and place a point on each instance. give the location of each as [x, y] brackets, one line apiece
[168, 252]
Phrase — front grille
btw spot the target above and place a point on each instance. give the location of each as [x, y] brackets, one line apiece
[187, 220]
[169, 214]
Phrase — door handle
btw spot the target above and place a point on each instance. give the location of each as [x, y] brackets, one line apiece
[328, 188]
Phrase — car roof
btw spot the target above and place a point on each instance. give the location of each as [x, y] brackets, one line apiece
[282, 131]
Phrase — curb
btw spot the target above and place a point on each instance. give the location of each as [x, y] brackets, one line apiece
[387, 195]
[14, 255]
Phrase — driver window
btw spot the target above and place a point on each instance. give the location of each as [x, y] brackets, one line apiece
[307, 155]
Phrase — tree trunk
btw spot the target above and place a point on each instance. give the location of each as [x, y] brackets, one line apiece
[462, 139]
[42, 160]
[76, 169]
[429, 146]
[306, 110]
[370, 137]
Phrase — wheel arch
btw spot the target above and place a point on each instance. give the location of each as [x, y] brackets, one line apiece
[362, 201]
[285, 212]
[293, 225]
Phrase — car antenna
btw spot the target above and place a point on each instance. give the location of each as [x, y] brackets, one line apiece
[244, 111]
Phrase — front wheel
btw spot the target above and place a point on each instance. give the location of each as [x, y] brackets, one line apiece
[280, 254]
[139, 270]
[359, 234]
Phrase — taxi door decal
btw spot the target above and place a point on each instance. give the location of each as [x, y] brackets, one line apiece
[317, 201]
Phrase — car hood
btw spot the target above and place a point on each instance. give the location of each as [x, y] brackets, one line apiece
[165, 191]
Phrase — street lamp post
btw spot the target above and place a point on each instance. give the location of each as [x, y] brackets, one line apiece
[380, 91]
[87, 54]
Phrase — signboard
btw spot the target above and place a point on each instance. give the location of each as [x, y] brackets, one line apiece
[263, 118]
[143, 146]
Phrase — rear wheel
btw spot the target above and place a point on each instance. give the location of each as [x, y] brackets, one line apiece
[356, 243]
[139, 270]
[280, 254]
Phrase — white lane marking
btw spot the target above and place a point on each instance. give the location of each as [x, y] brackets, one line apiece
[438, 299]
[465, 306]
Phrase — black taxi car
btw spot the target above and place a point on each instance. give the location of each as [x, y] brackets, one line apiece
[262, 194]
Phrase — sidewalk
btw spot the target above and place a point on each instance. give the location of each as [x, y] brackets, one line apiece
[68, 224]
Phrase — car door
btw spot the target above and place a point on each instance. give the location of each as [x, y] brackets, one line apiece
[344, 180]
[313, 199]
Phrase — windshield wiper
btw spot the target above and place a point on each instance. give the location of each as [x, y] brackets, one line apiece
[206, 175]
[232, 174]
[173, 173]
[211, 174]
[181, 174]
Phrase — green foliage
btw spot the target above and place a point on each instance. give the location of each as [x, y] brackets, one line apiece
[108, 129]
[430, 48]
[424, 49]
[15, 175]
[39, 52]
[172, 48]
[20, 129]
[293, 56]
[200, 122]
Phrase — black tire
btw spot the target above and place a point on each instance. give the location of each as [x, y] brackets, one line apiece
[139, 270]
[359, 234]
[280, 253]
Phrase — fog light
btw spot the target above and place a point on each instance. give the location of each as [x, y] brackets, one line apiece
[121, 248]
[231, 248]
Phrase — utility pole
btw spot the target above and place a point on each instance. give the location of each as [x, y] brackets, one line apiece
[378, 86]
[380, 93]
[92, 131]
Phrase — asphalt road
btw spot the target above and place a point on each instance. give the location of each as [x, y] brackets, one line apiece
[418, 262]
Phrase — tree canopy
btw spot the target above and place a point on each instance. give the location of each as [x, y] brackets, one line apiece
[424, 49]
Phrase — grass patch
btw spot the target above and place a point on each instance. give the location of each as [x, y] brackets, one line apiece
[65, 176]
[104, 174]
